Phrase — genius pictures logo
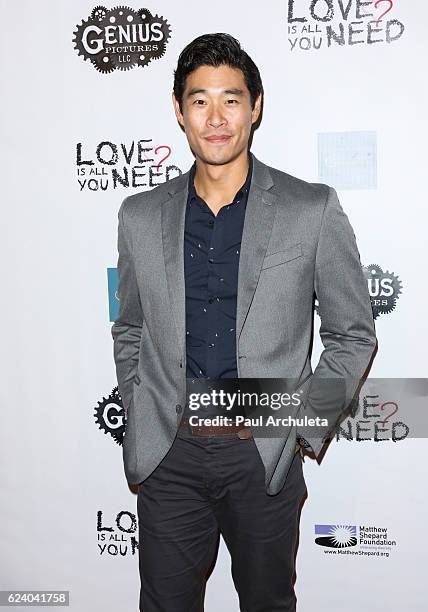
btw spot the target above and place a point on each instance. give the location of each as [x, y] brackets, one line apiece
[110, 416]
[121, 38]
[384, 289]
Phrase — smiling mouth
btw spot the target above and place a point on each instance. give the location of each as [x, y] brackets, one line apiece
[218, 139]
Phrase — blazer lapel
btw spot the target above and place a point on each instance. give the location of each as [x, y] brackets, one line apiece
[258, 223]
[173, 217]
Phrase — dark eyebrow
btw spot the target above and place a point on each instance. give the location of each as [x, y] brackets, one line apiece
[234, 91]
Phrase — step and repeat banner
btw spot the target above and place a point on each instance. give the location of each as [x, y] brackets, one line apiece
[88, 120]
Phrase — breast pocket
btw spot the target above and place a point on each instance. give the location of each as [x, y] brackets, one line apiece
[283, 256]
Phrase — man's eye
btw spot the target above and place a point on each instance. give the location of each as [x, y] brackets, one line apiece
[199, 100]
[231, 100]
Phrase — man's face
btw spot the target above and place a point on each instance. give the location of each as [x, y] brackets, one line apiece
[217, 115]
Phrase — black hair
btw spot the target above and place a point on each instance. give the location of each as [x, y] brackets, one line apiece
[216, 50]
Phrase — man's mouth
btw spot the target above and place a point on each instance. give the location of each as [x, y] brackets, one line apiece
[218, 139]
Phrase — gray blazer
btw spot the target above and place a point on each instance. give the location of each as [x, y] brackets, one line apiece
[296, 242]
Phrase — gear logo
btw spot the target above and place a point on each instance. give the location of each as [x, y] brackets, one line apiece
[384, 289]
[121, 38]
[110, 416]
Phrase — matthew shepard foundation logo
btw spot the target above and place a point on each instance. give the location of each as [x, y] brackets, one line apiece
[110, 416]
[362, 540]
[336, 536]
[121, 38]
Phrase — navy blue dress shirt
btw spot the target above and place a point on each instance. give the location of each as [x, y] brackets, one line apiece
[212, 245]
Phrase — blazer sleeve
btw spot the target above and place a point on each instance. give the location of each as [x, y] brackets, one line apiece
[347, 328]
[126, 330]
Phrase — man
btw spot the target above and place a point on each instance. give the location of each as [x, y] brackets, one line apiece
[218, 269]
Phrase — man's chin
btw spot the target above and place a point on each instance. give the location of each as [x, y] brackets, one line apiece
[217, 159]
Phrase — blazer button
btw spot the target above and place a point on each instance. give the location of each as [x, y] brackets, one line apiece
[178, 408]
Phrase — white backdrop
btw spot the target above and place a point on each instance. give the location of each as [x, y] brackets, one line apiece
[350, 115]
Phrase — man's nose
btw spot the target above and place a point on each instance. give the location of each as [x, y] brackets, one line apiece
[216, 118]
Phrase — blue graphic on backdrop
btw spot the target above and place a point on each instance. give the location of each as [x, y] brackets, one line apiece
[113, 299]
[348, 160]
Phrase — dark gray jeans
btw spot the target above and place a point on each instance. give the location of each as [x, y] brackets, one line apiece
[210, 485]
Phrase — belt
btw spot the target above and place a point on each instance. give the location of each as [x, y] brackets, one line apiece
[216, 430]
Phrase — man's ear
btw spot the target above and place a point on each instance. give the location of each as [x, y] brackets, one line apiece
[255, 113]
[177, 110]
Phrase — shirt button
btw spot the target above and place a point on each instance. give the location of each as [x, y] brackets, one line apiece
[178, 408]
[211, 260]
[211, 222]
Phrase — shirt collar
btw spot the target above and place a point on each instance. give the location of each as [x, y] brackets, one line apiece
[242, 191]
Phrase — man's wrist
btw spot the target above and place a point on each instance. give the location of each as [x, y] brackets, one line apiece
[302, 442]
